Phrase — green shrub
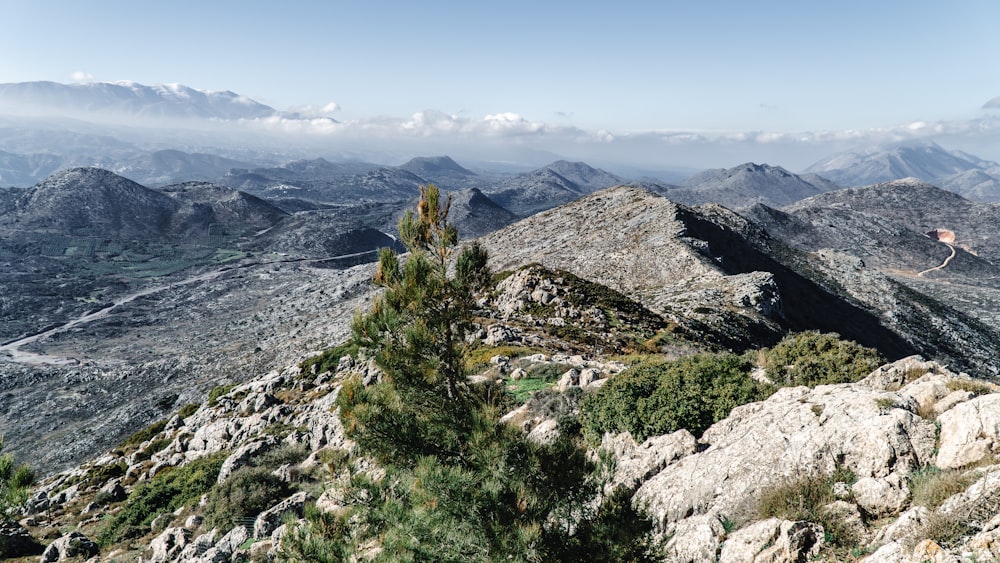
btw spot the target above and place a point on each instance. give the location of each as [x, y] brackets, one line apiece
[188, 409]
[169, 490]
[812, 358]
[328, 359]
[15, 481]
[218, 391]
[145, 434]
[282, 455]
[246, 493]
[661, 396]
[153, 447]
[320, 539]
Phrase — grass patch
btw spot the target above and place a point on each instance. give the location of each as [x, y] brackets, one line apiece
[478, 358]
[973, 386]
[188, 409]
[805, 499]
[931, 486]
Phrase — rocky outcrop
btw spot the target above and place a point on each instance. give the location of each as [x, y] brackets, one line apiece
[72, 545]
[773, 541]
[797, 431]
[16, 541]
[881, 430]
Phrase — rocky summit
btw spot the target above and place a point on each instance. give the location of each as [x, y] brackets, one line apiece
[741, 387]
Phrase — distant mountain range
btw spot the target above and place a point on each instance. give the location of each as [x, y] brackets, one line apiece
[128, 99]
[957, 171]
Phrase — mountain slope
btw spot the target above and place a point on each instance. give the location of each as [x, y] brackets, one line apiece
[94, 201]
[926, 161]
[921, 207]
[748, 184]
[714, 266]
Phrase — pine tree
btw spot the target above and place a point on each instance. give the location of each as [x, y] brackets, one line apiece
[458, 485]
[416, 333]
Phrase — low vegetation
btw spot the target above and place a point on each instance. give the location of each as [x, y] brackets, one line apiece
[656, 395]
[15, 480]
[807, 499]
[243, 495]
[812, 358]
[170, 489]
[660, 396]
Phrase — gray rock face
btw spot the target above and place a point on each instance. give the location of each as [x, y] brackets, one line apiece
[72, 545]
[269, 520]
[795, 432]
[969, 432]
[773, 541]
[15, 541]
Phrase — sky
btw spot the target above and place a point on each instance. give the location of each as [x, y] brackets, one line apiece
[776, 73]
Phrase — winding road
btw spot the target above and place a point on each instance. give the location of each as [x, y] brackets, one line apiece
[943, 264]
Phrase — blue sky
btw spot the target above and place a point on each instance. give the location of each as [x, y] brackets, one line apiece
[703, 67]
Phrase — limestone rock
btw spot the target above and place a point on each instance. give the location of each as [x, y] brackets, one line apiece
[545, 432]
[930, 552]
[243, 454]
[894, 376]
[569, 379]
[15, 541]
[761, 445]
[269, 520]
[772, 541]
[499, 334]
[73, 544]
[168, 545]
[882, 496]
[694, 540]
[969, 431]
[634, 463]
[906, 526]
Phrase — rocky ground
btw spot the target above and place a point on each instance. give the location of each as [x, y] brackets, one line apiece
[155, 354]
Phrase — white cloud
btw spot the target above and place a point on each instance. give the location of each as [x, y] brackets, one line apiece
[310, 111]
[81, 76]
[992, 104]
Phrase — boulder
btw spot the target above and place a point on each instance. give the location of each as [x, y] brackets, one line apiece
[773, 541]
[545, 432]
[794, 432]
[882, 496]
[569, 379]
[243, 454]
[694, 540]
[72, 545]
[906, 526]
[15, 541]
[269, 520]
[969, 431]
[168, 545]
